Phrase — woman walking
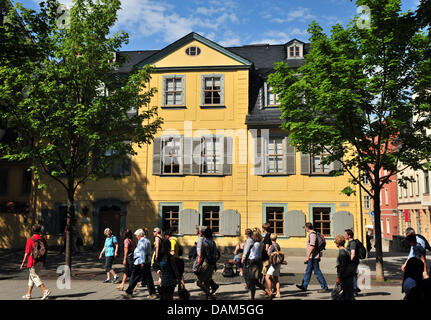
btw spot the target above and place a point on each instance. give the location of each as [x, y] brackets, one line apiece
[111, 251]
[255, 265]
[273, 274]
[129, 248]
[169, 272]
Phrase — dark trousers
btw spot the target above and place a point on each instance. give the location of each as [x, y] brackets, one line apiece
[347, 286]
[167, 292]
[141, 274]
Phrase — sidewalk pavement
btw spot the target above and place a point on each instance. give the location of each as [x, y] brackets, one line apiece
[88, 275]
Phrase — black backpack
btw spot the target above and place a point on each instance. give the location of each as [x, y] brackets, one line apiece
[228, 270]
[360, 251]
[320, 242]
[211, 252]
[427, 245]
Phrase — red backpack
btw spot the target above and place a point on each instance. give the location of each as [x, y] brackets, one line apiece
[39, 249]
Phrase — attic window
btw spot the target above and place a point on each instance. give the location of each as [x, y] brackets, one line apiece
[294, 51]
[193, 51]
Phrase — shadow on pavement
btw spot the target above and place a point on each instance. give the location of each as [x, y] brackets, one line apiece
[74, 295]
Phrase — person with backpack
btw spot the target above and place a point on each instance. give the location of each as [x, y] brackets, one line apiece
[346, 269]
[176, 252]
[416, 251]
[275, 260]
[207, 263]
[420, 241]
[199, 232]
[357, 251]
[315, 245]
[169, 272]
[265, 258]
[36, 250]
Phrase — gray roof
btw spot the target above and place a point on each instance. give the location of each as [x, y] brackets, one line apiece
[263, 57]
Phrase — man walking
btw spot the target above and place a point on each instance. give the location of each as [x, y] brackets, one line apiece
[199, 231]
[206, 263]
[36, 245]
[175, 248]
[312, 260]
[352, 249]
[142, 266]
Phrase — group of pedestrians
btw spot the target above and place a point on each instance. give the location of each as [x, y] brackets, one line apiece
[260, 259]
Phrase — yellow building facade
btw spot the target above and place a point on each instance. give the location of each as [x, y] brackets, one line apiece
[219, 159]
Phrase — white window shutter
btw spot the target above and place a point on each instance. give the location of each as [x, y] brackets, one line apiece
[341, 221]
[188, 220]
[294, 224]
[157, 163]
[230, 223]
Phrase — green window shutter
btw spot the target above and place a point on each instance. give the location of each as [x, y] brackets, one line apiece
[305, 164]
[230, 223]
[187, 155]
[259, 155]
[227, 156]
[202, 90]
[163, 90]
[157, 164]
[290, 157]
[197, 157]
[294, 224]
[341, 221]
[222, 90]
[188, 220]
[183, 84]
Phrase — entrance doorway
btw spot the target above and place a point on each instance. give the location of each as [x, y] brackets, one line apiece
[109, 218]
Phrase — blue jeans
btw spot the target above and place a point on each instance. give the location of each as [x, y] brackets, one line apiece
[313, 264]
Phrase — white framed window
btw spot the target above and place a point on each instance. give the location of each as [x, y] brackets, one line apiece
[212, 155]
[366, 180]
[172, 155]
[367, 203]
[173, 91]
[388, 226]
[316, 164]
[212, 90]
[426, 182]
[275, 161]
[411, 187]
[386, 197]
[271, 98]
[294, 51]
[417, 185]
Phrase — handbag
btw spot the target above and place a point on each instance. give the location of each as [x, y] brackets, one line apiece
[337, 292]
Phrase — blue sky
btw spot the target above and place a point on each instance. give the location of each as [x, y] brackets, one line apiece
[154, 24]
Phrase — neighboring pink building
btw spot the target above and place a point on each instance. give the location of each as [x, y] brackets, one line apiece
[389, 208]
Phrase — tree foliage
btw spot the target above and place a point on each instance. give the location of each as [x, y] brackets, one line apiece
[363, 96]
[60, 90]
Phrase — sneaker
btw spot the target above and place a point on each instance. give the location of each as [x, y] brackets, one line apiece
[324, 290]
[26, 297]
[106, 281]
[128, 295]
[152, 297]
[214, 289]
[115, 279]
[301, 287]
[45, 295]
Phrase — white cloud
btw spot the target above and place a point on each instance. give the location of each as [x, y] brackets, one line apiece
[280, 37]
[299, 14]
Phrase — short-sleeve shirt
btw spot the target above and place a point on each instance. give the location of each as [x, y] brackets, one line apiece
[175, 246]
[417, 252]
[110, 246]
[130, 245]
[312, 240]
[352, 246]
[29, 250]
[266, 240]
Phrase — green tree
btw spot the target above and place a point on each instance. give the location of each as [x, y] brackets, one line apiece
[355, 99]
[71, 110]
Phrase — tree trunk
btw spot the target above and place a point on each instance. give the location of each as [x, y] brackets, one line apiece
[380, 277]
[70, 225]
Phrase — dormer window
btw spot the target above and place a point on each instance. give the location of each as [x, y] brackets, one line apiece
[271, 98]
[295, 50]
